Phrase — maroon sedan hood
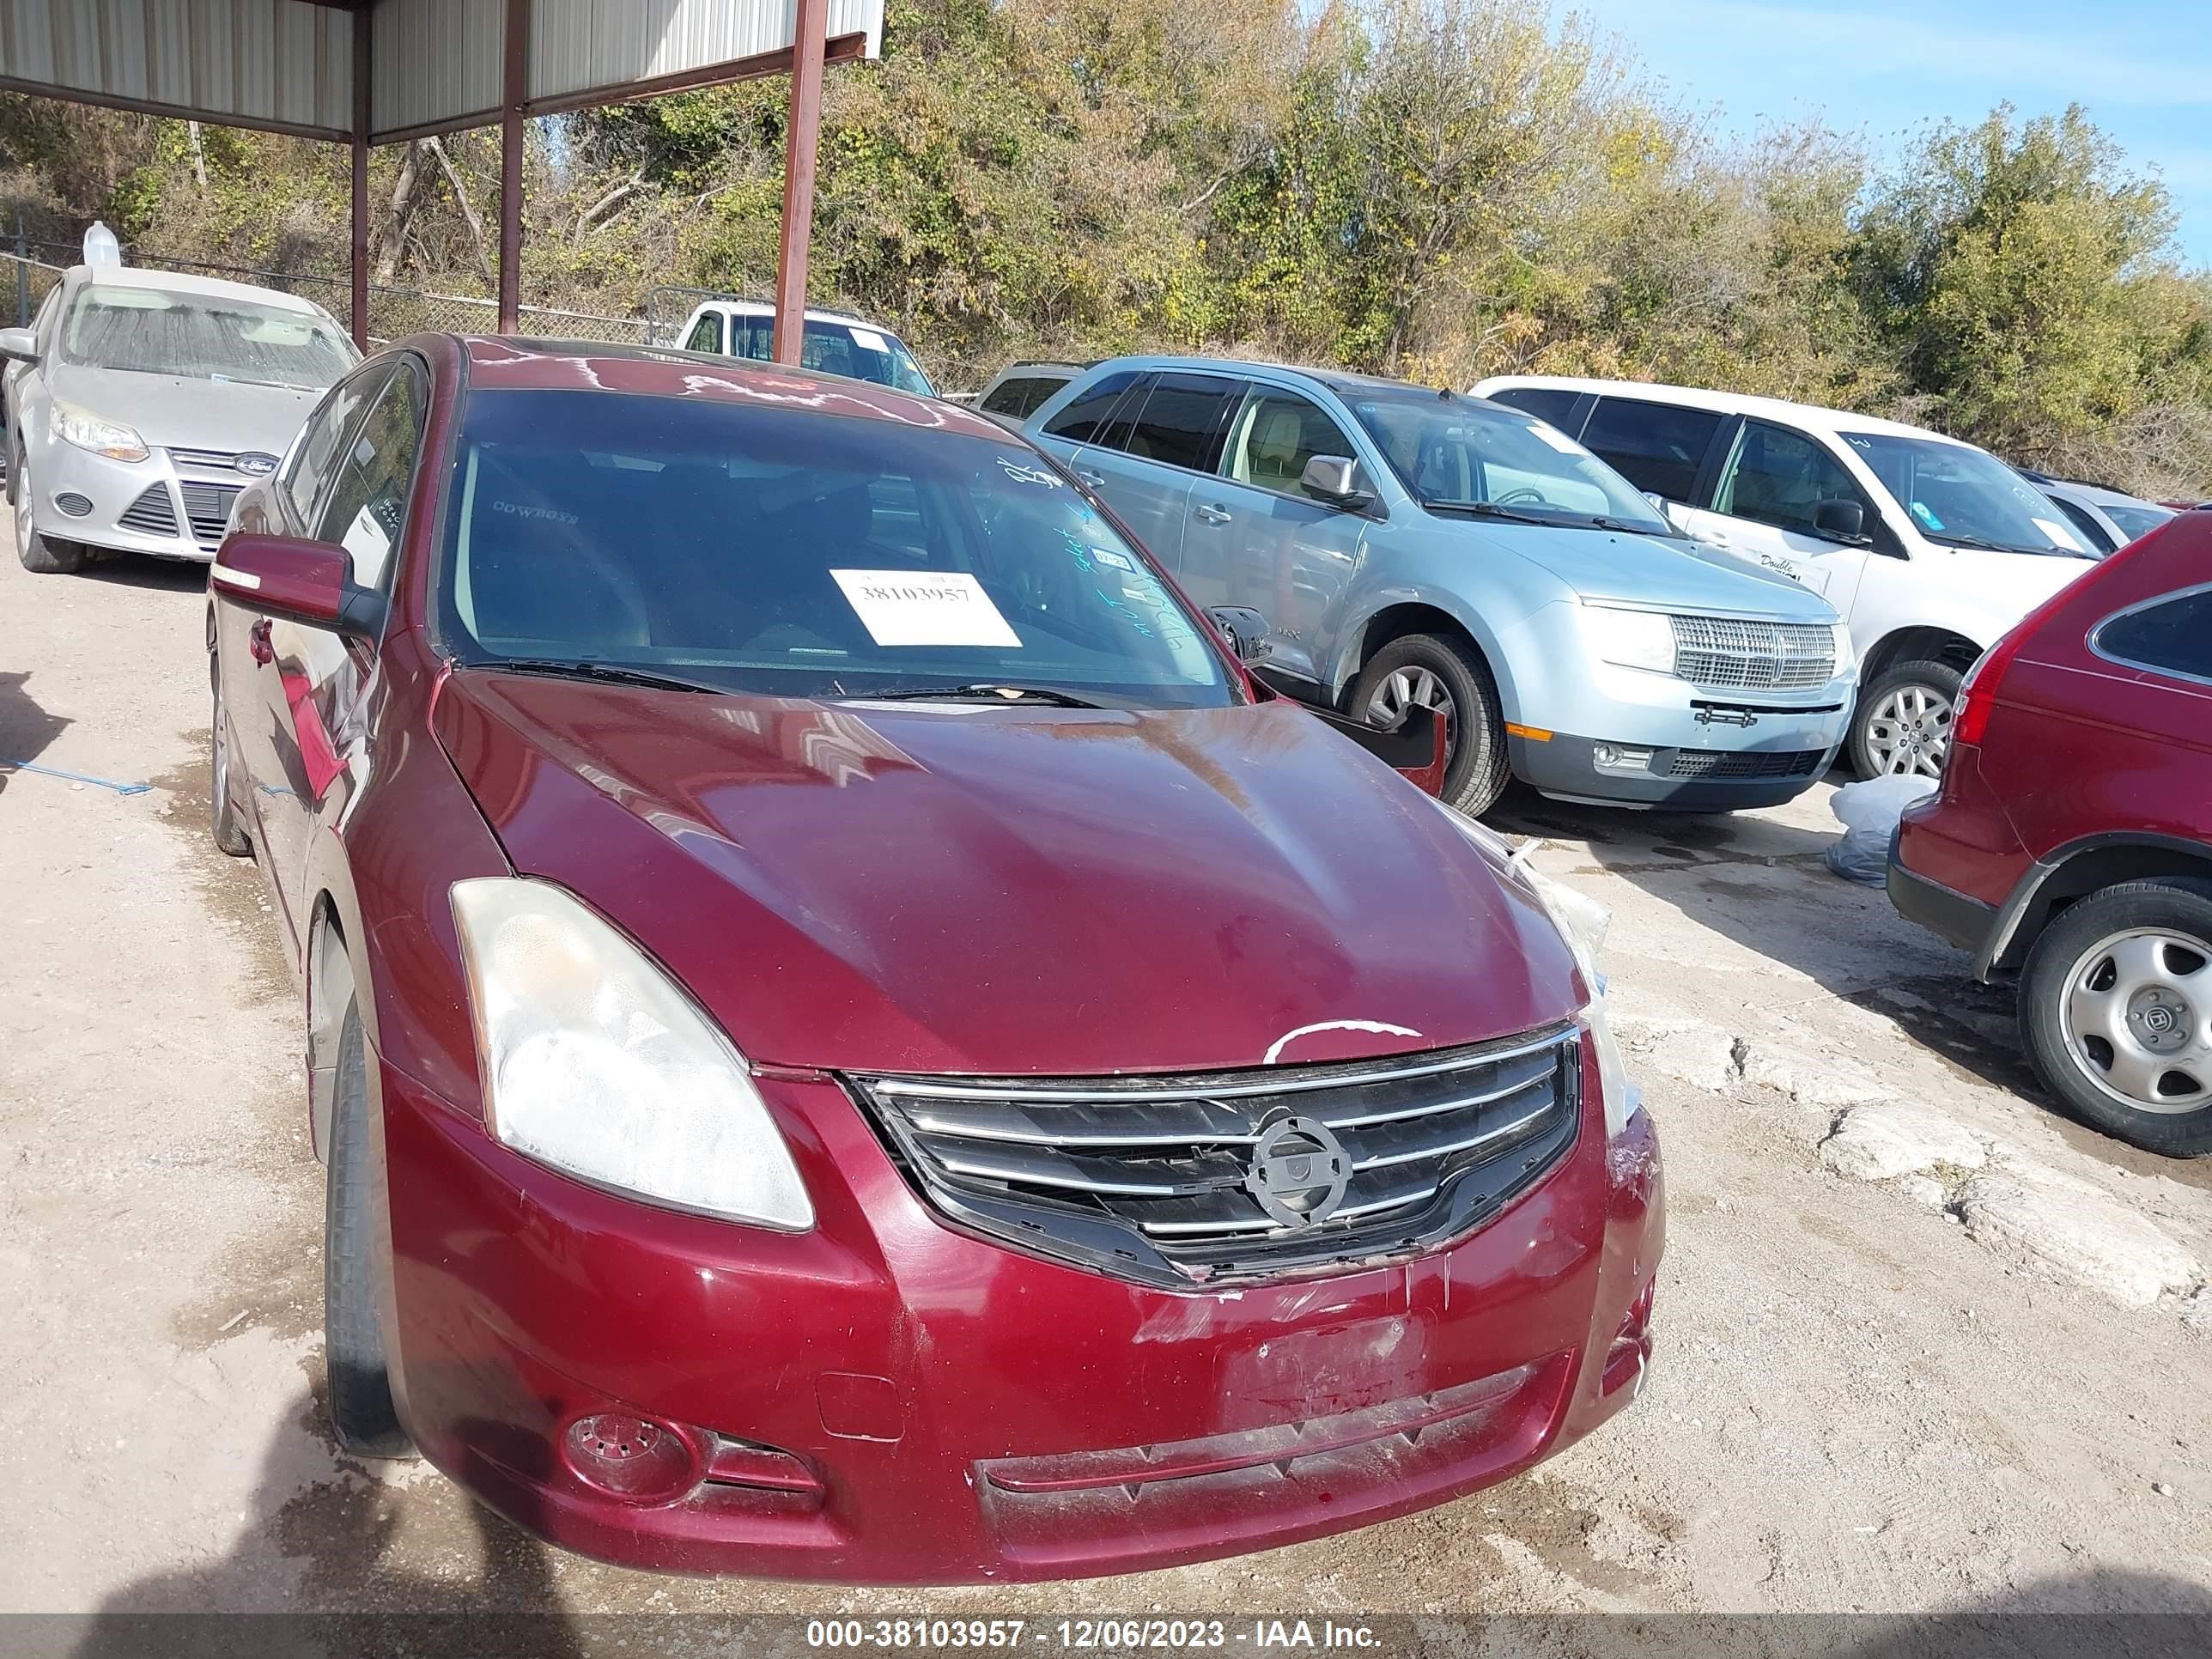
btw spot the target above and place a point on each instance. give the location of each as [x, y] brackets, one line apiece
[1011, 889]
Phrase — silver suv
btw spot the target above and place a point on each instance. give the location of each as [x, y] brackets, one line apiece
[1384, 548]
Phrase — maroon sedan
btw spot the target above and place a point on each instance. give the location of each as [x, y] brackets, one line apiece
[2072, 839]
[851, 1039]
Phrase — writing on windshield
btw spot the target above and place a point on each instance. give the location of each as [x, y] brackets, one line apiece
[200, 337]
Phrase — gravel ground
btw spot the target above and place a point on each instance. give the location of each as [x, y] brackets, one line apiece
[1893, 1393]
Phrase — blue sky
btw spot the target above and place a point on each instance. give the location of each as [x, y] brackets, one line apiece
[2142, 68]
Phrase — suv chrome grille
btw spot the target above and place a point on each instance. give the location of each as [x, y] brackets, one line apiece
[1728, 653]
[1202, 1177]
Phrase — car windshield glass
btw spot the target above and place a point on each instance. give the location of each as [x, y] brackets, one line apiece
[202, 337]
[2134, 520]
[797, 553]
[852, 349]
[1964, 497]
[1455, 452]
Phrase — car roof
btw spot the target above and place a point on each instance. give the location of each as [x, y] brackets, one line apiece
[507, 363]
[185, 282]
[767, 308]
[2100, 494]
[1343, 382]
[1727, 403]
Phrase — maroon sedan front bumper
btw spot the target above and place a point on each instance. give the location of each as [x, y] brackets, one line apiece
[888, 1400]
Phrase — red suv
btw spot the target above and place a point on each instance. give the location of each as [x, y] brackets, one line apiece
[851, 1039]
[2071, 842]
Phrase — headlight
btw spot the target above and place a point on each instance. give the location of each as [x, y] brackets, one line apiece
[595, 1063]
[1847, 654]
[1633, 638]
[102, 437]
[1623, 1099]
[1582, 922]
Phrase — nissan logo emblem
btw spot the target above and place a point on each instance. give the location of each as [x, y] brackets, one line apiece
[1300, 1171]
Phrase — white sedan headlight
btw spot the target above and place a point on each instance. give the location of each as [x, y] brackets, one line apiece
[1633, 639]
[1847, 654]
[102, 437]
[596, 1064]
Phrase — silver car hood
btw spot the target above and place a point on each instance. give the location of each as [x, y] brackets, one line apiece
[170, 411]
[1665, 573]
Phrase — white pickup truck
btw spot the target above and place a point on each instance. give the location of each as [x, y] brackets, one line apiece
[1930, 548]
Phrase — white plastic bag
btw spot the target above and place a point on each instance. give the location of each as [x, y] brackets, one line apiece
[1868, 811]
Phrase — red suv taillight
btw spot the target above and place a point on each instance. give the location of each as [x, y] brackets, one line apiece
[1978, 693]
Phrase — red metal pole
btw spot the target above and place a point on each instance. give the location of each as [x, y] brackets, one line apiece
[361, 109]
[809, 30]
[515, 94]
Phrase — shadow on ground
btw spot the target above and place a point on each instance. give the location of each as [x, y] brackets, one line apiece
[1763, 885]
[26, 729]
[135, 570]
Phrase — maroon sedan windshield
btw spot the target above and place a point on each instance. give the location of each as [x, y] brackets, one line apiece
[797, 553]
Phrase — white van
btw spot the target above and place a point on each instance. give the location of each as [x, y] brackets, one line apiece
[1930, 548]
[835, 341]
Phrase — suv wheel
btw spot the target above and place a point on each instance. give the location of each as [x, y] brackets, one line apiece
[46, 558]
[1903, 725]
[2116, 1011]
[362, 1412]
[1427, 671]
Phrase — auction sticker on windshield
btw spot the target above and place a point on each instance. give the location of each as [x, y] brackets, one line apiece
[925, 607]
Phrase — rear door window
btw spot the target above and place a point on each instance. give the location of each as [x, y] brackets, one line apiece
[1656, 446]
[1083, 420]
[1018, 397]
[2172, 635]
[706, 333]
[1548, 404]
[1182, 421]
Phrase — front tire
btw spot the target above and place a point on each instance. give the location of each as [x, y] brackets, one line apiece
[1429, 671]
[2116, 1011]
[1902, 726]
[223, 818]
[362, 1412]
[45, 558]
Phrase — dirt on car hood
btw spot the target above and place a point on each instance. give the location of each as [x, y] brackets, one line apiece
[958, 889]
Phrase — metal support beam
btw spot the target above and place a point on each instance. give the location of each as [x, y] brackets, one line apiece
[809, 29]
[514, 98]
[361, 35]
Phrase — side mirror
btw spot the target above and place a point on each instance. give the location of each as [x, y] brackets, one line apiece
[20, 345]
[300, 581]
[1840, 520]
[1335, 478]
[1246, 628]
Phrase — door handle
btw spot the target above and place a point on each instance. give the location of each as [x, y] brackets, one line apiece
[258, 642]
[1215, 515]
[1093, 480]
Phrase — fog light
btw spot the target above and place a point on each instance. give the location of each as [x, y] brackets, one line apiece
[632, 1458]
[1619, 757]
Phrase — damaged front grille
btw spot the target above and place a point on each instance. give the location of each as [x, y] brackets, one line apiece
[1218, 1176]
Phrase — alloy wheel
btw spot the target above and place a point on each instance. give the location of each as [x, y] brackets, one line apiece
[2138, 1018]
[1405, 690]
[1908, 732]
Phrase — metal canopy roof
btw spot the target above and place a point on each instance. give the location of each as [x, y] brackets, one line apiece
[433, 65]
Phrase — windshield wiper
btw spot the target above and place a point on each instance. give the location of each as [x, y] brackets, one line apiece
[1983, 544]
[1488, 510]
[1603, 523]
[984, 691]
[591, 668]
